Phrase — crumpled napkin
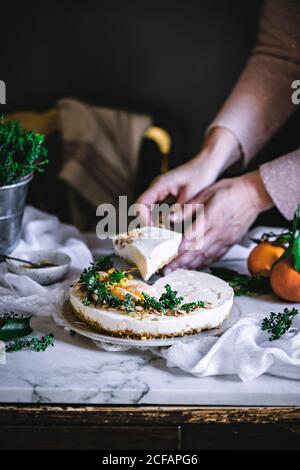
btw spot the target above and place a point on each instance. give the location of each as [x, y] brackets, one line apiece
[244, 350]
[20, 293]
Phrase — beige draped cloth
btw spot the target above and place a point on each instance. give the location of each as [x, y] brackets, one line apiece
[261, 101]
[100, 150]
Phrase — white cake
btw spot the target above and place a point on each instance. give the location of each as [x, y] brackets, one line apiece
[191, 285]
[148, 248]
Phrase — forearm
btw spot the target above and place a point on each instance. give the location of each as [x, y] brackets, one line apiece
[220, 150]
[261, 100]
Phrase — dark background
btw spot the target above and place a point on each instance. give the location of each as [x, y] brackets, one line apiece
[176, 60]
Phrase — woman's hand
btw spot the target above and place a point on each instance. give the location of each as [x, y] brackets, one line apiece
[219, 151]
[230, 207]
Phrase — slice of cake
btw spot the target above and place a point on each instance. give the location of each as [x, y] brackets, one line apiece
[148, 248]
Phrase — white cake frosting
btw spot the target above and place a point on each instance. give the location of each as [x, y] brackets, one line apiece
[191, 285]
[148, 248]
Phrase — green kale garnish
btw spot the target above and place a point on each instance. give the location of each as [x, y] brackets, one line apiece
[278, 323]
[169, 299]
[35, 343]
[98, 291]
[128, 303]
[191, 306]
[102, 264]
[116, 276]
[85, 301]
[151, 303]
[104, 296]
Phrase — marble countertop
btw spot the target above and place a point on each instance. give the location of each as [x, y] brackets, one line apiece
[76, 371]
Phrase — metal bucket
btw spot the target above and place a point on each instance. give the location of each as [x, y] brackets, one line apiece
[12, 204]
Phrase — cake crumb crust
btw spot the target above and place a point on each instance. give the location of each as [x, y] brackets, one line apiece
[129, 334]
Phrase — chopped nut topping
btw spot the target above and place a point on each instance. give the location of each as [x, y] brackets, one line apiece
[127, 237]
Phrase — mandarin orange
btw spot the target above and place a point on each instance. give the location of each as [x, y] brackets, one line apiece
[285, 281]
[262, 258]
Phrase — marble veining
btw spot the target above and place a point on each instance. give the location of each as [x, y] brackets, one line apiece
[76, 371]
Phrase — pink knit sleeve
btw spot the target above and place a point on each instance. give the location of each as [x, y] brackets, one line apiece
[261, 100]
[281, 178]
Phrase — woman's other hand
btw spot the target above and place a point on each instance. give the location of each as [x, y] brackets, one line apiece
[230, 208]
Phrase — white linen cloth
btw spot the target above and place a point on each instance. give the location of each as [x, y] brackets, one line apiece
[243, 349]
[22, 294]
[2, 352]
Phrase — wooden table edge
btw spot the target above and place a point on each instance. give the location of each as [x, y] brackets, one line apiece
[136, 414]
